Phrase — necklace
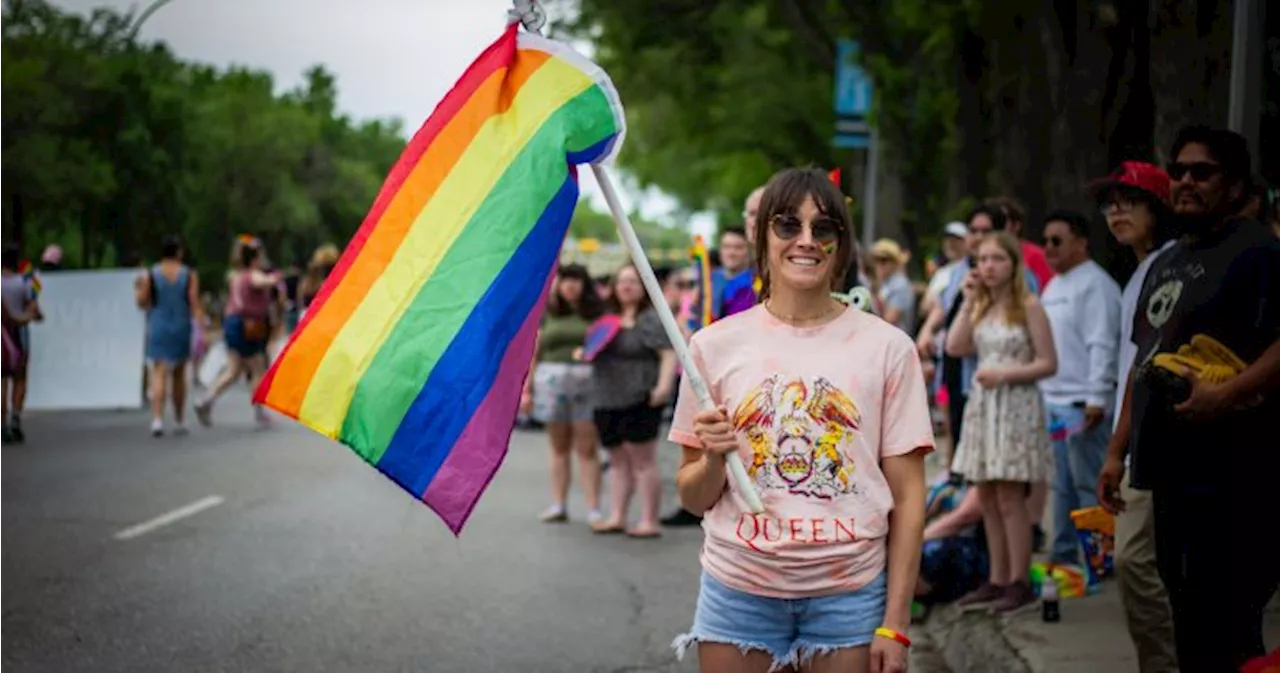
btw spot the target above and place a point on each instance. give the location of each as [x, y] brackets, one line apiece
[795, 319]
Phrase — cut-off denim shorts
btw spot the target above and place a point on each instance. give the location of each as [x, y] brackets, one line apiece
[791, 630]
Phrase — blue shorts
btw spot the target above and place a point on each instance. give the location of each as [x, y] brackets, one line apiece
[791, 630]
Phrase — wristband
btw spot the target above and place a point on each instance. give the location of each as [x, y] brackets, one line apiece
[893, 635]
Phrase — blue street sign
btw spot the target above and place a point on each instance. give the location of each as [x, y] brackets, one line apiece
[853, 86]
[851, 141]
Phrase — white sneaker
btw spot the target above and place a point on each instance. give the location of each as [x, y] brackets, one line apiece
[157, 427]
[595, 516]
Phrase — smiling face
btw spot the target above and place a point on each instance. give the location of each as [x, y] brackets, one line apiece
[802, 249]
[628, 291]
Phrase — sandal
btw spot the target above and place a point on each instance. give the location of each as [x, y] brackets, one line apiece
[604, 528]
[644, 535]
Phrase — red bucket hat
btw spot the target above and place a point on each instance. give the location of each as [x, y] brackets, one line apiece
[1135, 175]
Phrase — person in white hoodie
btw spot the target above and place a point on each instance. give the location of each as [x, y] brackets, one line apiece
[1135, 201]
[1083, 305]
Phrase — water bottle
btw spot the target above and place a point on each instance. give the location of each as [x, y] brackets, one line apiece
[1049, 600]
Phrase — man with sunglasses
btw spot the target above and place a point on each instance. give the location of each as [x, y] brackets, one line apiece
[1199, 417]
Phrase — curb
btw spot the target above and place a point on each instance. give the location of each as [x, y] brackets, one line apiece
[973, 641]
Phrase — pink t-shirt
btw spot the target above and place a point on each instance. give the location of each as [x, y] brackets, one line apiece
[819, 408]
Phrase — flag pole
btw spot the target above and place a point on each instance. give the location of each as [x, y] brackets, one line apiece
[737, 472]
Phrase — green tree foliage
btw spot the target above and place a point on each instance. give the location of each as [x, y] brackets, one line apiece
[110, 144]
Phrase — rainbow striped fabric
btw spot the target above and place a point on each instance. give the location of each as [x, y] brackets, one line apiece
[415, 350]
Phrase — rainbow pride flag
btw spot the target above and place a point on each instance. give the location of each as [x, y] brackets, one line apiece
[416, 348]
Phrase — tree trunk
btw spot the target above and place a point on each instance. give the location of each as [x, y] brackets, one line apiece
[1190, 66]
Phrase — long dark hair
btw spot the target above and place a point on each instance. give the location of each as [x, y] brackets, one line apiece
[783, 195]
[589, 305]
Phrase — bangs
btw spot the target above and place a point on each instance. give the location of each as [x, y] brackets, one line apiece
[788, 190]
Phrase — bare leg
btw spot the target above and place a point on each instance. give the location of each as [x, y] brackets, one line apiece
[621, 482]
[179, 393]
[19, 392]
[1036, 501]
[1011, 499]
[4, 401]
[561, 436]
[845, 660]
[584, 443]
[997, 546]
[644, 468]
[726, 658]
[229, 375]
[159, 376]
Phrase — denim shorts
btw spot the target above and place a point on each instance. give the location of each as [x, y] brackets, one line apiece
[791, 630]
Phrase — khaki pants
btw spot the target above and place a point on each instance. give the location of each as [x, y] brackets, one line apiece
[1146, 605]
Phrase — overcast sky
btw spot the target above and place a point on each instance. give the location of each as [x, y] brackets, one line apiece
[392, 58]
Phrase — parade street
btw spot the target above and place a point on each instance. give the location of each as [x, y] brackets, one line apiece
[239, 550]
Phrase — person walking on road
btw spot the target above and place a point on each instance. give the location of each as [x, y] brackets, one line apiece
[835, 444]
[20, 309]
[170, 294]
[245, 329]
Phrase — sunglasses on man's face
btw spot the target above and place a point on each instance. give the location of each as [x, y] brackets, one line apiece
[824, 229]
[1054, 241]
[1200, 171]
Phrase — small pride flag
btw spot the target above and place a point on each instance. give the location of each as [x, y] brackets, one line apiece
[416, 348]
[702, 262]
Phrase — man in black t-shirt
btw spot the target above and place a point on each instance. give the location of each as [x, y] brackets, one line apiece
[1208, 451]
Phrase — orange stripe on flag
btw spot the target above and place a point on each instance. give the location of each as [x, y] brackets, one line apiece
[298, 365]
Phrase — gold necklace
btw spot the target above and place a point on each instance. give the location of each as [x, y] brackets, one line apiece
[792, 319]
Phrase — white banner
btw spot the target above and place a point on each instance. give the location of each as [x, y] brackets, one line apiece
[88, 352]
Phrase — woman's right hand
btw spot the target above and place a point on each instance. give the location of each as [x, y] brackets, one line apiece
[970, 284]
[713, 430]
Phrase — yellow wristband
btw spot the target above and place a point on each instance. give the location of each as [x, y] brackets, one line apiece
[884, 632]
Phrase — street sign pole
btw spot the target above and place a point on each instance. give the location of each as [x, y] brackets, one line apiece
[872, 183]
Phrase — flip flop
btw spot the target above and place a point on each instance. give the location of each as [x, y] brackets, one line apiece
[608, 530]
[644, 536]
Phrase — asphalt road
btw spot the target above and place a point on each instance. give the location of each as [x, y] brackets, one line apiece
[305, 559]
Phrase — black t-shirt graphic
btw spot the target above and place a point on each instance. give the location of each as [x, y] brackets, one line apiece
[1226, 286]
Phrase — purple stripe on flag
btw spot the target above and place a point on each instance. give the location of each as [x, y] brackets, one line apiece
[457, 485]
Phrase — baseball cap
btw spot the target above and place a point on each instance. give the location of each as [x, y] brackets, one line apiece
[956, 229]
[1135, 175]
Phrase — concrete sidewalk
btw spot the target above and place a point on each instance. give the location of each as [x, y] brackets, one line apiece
[1091, 638]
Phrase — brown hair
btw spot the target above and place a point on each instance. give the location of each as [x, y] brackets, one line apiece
[783, 195]
[1015, 313]
[1012, 208]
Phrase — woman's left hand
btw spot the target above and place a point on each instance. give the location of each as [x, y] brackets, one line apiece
[887, 656]
[989, 378]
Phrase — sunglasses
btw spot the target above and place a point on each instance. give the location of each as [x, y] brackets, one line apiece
[1200, 171]
[1054, 241]
[824, 229]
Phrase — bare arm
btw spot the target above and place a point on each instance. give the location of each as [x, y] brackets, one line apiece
[142, 291]
[905, 475]
[924, 340]
[261, 280]
[666, 373]
[193, 296]
[1045, 362]
[1119, 445]
[701, 480]
[1262, 376]
[967, 513]
[960, 336]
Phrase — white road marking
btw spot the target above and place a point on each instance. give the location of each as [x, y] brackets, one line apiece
[169, 517]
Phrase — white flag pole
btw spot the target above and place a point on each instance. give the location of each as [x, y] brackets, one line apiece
[737, 472]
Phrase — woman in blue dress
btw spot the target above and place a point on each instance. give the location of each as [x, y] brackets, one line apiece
[170, 294]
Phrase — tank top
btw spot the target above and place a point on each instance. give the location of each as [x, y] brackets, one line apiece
[246, 300]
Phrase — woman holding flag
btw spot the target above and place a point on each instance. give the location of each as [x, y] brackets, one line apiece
[826, 406]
